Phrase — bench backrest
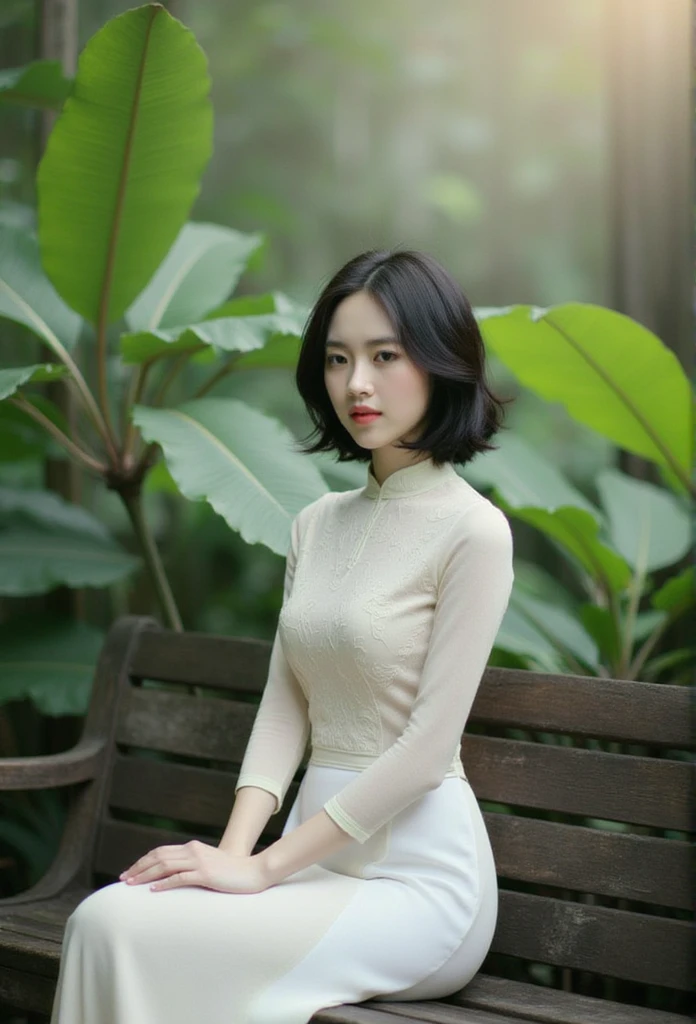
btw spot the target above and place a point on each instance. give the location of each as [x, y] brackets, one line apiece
[586, 787]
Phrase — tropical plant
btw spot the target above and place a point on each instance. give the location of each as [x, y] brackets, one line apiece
[116, 273]
[617, 377]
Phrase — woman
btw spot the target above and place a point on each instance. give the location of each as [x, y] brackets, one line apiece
[383, 883]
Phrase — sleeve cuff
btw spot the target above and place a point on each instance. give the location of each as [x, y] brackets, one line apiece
[262, 782]
[344, 821]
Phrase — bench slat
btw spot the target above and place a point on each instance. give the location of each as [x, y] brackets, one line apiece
[221, 662]
[197, 796]
[657, 714]
[591, 860]
[622, 944]
[568, 856]
[21, 926]
[551, 1006]
[26, 991]
[27, 943]
[428, 1012]
[214, 729]
[643, 791]
[361, 1013]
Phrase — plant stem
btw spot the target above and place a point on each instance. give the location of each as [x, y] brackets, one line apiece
[222, 372]
[86, 396]
[132, 499]
[635, 592]
[146, 458]
[133, 395]
[102, 384]
[90, 463]
[174, 368]
[648, 647]
[91, 407]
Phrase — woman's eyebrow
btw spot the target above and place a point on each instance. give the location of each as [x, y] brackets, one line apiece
[373, 341]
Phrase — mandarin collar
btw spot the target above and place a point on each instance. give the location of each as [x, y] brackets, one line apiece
[413, 479]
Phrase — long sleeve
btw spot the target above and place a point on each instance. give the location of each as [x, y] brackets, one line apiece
[475, 579]
[281, 727]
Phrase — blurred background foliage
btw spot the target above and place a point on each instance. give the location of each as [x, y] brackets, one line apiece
[499, 135]
[476, 131]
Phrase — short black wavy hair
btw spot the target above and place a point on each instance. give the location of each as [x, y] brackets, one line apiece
[434, 322]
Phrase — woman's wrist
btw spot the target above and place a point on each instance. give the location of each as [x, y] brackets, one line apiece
[236, 847]
[309, 843]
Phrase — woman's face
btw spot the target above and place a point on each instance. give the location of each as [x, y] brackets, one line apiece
[365, 365]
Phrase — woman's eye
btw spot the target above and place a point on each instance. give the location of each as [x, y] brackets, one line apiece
[382, 352]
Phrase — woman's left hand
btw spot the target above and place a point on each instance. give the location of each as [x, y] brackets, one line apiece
[196, 863]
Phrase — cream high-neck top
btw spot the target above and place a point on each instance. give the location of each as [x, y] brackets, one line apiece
[393, 597]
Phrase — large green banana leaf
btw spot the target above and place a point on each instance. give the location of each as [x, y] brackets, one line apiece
[49, 661]
[518, 635]
[229, 334]
[678, 594]
[200, 270]
[12, 379]
[123, 163]
[28, 297]
[647, 525]
[39, 84]
[525, 478]
[21, 437]
[609, 371]
[558, 626]
[46, 541]
[576, 533]
[239, 460]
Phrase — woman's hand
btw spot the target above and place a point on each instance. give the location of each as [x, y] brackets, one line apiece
[196, 863]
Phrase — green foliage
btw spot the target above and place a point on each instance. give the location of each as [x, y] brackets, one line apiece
[39, 84]
[123, 163]
[31, 825]
[198, 273]
[46, 541]
[12, 379]
[121, 169]
[29, 298]
[611, 548]
[226, 334]
[609, 371]
[150, 297]
[235, 458]
[49, 661]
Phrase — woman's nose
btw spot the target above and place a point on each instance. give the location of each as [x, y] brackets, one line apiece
[359, 383]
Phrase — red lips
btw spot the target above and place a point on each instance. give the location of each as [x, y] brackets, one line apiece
[359, 410]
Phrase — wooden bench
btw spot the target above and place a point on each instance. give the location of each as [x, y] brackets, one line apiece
[168, 724]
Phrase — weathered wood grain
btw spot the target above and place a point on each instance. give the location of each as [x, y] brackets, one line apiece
[521, 1000]
[641, 790]
[656, 714]
[646, 948]
[129, 762]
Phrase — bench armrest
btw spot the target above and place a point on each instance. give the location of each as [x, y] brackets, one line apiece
[51, 771]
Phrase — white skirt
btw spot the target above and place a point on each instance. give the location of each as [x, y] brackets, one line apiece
[409, 914]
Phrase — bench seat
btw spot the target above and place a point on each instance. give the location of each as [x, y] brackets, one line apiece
[586, 787]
